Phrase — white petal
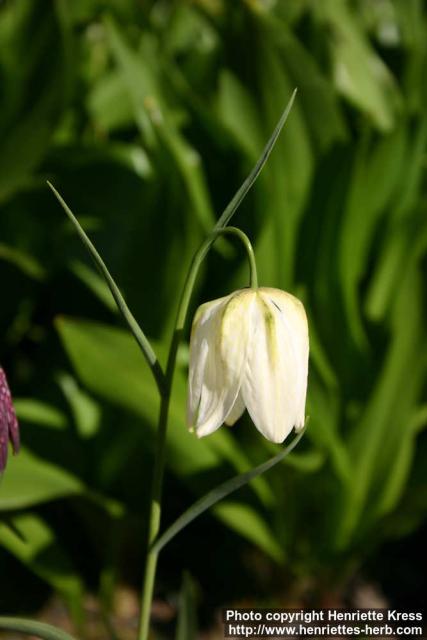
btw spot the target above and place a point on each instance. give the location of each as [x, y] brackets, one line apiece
[275, 381]
[217, 360]
[236, 411]
[202, 345]
[295, 319]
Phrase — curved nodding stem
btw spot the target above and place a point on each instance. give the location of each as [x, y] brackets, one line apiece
[241, 235]
[155, 509]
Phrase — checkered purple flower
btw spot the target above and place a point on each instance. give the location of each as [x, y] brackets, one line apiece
[9, 428]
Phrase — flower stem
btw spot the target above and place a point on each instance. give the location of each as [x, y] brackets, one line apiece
[154, 516]
[159, 461]
[253, 275]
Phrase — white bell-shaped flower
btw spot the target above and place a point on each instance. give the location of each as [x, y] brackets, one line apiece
[249, 350]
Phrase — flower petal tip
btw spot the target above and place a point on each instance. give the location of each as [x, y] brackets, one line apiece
[9, 427]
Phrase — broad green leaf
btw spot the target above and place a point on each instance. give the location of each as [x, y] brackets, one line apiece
[30, 481]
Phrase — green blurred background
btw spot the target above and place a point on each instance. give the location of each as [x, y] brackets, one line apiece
[147, 116]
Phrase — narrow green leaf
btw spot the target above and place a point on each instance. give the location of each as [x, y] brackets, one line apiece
[240, 194]
[32, 628]
[220, 492]
[226, 216]
[95, 283]
[133, 325]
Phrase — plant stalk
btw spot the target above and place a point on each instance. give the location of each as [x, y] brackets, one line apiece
[166, 388]
[154, 516]
[159, 461]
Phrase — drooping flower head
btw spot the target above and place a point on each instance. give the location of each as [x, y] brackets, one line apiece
[249, 350]
[9, 428]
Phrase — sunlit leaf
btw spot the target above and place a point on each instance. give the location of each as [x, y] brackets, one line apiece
[29, 481]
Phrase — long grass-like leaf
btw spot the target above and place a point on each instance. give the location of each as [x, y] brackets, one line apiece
[31, 628]
[133, 325]
[221, 223]
[234, 203]
[220, 492]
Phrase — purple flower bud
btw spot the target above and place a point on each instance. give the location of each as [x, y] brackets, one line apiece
[9, 428]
